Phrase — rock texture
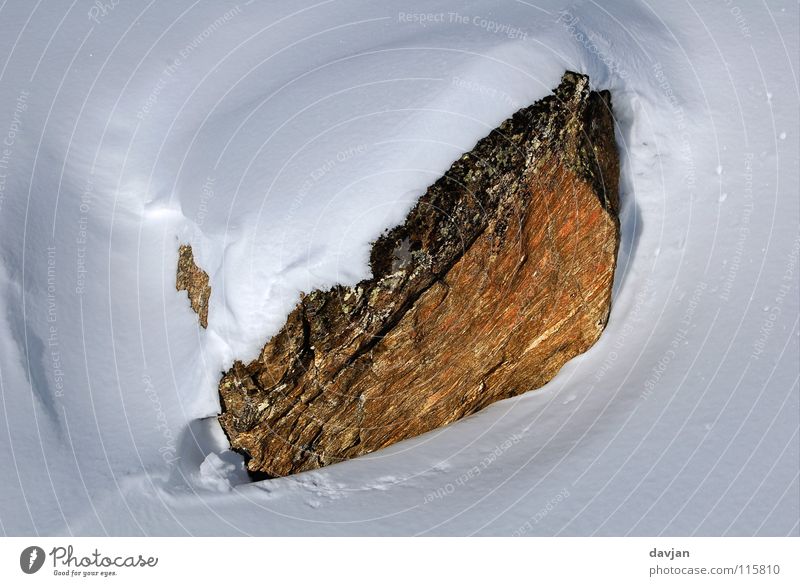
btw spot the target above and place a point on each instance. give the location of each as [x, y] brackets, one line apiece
[194, 281]
[500, 274]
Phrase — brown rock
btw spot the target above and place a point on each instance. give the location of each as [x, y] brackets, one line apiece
[500, 274]
[194, 281]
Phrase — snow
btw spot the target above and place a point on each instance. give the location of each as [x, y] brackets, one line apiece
[279, 139]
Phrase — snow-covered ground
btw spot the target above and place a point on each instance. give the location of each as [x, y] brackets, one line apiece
[279, 138]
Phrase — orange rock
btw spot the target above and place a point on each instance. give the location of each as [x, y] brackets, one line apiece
[500, 274]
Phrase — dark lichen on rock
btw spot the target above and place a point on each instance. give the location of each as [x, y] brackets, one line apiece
[500, 273]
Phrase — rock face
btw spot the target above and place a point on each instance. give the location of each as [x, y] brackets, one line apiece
[500, 274]
[194, 281]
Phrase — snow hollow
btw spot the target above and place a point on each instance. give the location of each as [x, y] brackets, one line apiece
[279, 139]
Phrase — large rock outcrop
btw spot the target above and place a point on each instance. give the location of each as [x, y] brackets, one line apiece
[500, 274]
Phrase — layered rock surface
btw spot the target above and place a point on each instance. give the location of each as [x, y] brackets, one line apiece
[194, 281]
[500, 274]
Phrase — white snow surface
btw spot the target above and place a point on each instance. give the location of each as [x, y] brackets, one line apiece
[280, 139]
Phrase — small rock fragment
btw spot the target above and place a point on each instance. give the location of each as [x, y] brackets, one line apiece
[194, 281]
